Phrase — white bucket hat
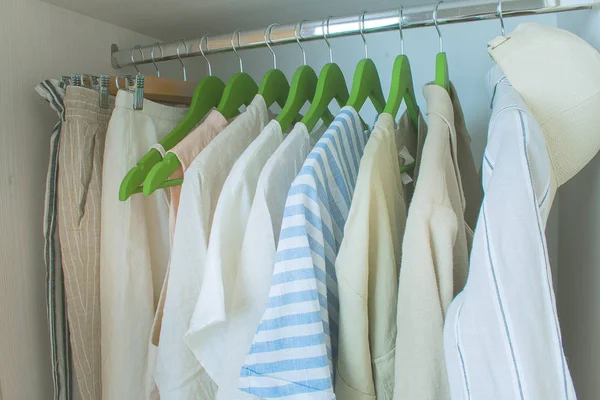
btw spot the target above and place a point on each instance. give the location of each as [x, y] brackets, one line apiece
[558, 76]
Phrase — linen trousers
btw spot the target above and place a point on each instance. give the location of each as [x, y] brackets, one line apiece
[135, 250]
[80, 160]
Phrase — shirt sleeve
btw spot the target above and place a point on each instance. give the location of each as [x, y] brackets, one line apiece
[424, 294]
[178, 373]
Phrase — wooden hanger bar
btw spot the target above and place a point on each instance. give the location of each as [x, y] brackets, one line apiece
[162, 90]
[417, 16]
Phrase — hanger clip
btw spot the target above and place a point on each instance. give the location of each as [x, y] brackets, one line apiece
[104, 91]
[76, 80]
[138, 93]
[94, 82]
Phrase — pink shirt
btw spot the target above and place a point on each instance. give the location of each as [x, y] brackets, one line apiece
[186, 151]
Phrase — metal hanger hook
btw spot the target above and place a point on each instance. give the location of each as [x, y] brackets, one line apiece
[400, 25]
[362, 33]
[326, 21]
[298, 40]
[268, 41]
[437, 28]
[205, 38]
[499, 11]
[237, 32]
[152, 57]
[139, 48]
[187, 53]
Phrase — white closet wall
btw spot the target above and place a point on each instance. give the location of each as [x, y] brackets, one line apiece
[579, 251]
[38, 41]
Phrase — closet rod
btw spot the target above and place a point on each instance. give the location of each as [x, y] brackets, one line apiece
[417, 16]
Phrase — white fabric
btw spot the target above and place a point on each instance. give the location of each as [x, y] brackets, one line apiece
[209, 323]
[434, 250]
[367, 266]
[502, 337]
[556, 74]
[134, 249]
[178, 372]
[257, 256]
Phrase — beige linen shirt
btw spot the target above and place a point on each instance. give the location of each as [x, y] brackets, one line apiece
[367, 266]
[435, 250]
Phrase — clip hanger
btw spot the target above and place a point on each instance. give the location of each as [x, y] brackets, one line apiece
[138, 82]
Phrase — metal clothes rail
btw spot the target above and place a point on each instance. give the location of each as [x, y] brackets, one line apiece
[413, 17]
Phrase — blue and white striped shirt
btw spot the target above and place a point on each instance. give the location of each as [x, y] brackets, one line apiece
[295, 345]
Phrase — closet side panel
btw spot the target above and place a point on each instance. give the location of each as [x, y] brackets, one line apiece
[39, 41]
[579, 253]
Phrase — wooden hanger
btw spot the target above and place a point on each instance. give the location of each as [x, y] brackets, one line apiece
[156, 88]
[161, 90]
[331, 85]
[302, 90]
[366, 83]
[206, 96]
[209, 93]
[240, 89]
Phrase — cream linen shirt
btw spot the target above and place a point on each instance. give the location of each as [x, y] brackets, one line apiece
[208, 326]
[178, 373]
[435, 249]
[367, 267]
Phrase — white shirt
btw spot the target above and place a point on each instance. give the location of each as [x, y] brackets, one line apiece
[296, 342]
[178, 372]
[257, 256]
[367, 267]
[209, 323]
[502, 337]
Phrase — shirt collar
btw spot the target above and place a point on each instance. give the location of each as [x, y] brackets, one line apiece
[439, 102]
[495, 77]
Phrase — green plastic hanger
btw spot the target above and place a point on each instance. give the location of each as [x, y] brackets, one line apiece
[366, 84]
[206, 96]
[161, 171]
[240, 89]
[441, 61]
[402, 87]
[302, 89]
[331, 85]
[274, 87]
